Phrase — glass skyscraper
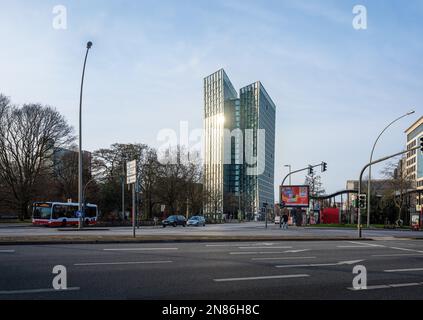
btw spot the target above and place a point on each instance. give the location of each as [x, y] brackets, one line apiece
[239, 147]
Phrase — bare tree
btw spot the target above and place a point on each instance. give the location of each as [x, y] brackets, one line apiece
[171, 182]
[399, 185]
[315, 183]
[149, 173]
[66, 172]
[28, 136]
[109, 167]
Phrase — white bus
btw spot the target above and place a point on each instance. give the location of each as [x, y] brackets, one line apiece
[56, 214]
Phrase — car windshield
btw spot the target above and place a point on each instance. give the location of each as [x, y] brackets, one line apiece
[195, 218]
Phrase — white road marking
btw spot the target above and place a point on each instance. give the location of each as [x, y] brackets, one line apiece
[321, 264]
[263, 278]
[36, 291]
[7, 251]
[142, 249]
[352, 246]
[404, 270]
[119, 263]
[404, 249]
[399, 255]
[283, 258]
[253, 253]
[237, 245]
[249, 248]
[297, 251]
[389, 286]
[368, 244]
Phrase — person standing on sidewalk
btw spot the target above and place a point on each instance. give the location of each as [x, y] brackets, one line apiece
[285, 219]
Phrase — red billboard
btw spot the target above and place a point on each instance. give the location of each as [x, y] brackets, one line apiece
[295, 196]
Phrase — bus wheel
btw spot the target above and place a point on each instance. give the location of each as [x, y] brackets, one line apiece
[64, 222]
[87, 222]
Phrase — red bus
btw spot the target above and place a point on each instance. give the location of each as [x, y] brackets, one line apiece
[56, 214]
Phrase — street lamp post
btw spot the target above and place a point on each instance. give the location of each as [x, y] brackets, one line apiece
[80, 158]
[290, 167]
[371, 159]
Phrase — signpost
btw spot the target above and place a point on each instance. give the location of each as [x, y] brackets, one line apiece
[131, 179]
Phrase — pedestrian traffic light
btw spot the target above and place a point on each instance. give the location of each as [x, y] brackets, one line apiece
[324, 167]
[310, 170]
[362, 201]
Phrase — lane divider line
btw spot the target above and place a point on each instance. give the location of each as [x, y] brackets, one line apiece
[403, 270]
[256, 253]
[119, 263]
[404, 249]
[282, 258]
[263, 278]
[368, 244]
[142, 249]
[249, 248]
[15, 292]
[389, 286]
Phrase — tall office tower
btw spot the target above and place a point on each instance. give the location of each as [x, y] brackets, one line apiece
[239, 146]
[258, 123]
[220, 99]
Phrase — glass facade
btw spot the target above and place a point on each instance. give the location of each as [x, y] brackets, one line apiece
[219, 94]
[239, 147]
[259, 114]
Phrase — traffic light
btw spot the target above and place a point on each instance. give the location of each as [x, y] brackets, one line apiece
[310, 170]
[355, 203]
[421, 144]
[362, 201]
[324, 167]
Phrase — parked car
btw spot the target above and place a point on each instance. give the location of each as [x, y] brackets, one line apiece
[174, 221]
[196, 221]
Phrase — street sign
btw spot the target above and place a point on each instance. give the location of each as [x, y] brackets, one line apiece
[131, 172]
[131, 178]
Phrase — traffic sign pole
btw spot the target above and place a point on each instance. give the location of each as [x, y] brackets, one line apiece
[133, 211]
[131, 179]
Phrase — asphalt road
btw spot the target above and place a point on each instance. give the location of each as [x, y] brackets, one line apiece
[232, 229]
[215, 271]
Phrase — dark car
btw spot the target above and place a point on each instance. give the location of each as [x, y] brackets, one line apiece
[197, 221]
[174, 221]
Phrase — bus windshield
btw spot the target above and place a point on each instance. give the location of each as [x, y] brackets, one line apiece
[42, 211]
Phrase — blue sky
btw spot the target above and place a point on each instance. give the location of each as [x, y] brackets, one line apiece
[335, 87]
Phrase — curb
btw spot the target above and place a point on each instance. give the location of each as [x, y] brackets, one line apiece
[40, 241]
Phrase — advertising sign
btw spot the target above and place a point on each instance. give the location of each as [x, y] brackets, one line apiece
[415, 221]
[295, 196]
